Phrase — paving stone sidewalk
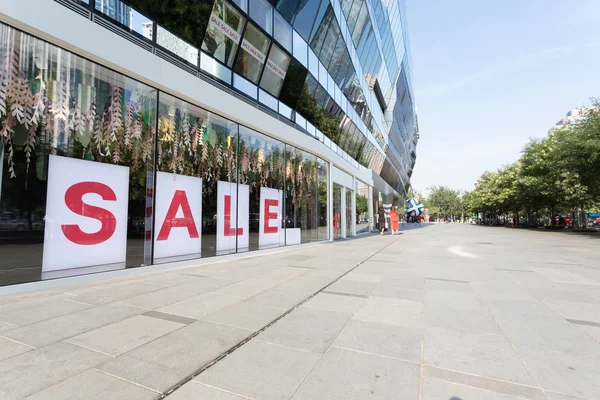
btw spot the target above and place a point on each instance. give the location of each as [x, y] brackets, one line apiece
[440, 312]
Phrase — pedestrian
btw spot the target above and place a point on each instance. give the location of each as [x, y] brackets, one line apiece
[394, 220]
[381, 219]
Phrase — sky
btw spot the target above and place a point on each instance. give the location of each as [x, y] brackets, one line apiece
[488, 75]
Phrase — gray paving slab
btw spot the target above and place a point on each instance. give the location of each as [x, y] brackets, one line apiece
[261, 371]
[349, 375]
[353, 287]
[197, 391]
[446, 316]
[205, 285]
[397, 312]
[397, 292]
[163, 362]
[66, 326]
[306, 329]
[309, 282]
[487, 355]
[566, 373]
[200, 306]
[94, 385]
[285, 297]
[362, 277]
[5, 326]
[246, 315]
[104, 295]
[10, 348]
[123, 336]
[36, 370]
[38, 309]
[335, 302]
[158, 299]
[381, 339]
[437, 390]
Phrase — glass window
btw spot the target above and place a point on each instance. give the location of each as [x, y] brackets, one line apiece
[218, 70]
[282, 32]
[243, 4]
[337, 211]
[267, 99]
[275, 70]
[89, 140]
[300, 120]
[196, 143]
[322, 76]
[262, 13]
[285, 110]
[170, 42]
[300, 47]
[244, 86]
[186, 20]
[363, 18]
[323, 182]
[293, 83]
[287, 8]
[363, 217]
[301, 193]
[305, 17]
[251, 58]
[349, 216]
[313, 63]
[262, 169]
[223, 32]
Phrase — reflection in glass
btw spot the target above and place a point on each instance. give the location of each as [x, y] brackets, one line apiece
[282, 31]
[262, 167]
[195, 142]
[223, 32]
[323, 178]
[176, 46]
[251, 57]
[301, 197]
[275, 70]
[337, 211]
[76, 109]
[349, 216]
[261, 12]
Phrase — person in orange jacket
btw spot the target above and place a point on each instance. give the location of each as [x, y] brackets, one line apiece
[394, 220]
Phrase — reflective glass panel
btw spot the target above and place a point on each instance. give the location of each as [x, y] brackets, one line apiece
[251, 57]
[223, 34]
[197, 150]
[275, 70]
[86, 139]
[262, 13]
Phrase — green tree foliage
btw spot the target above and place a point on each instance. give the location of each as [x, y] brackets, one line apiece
[362, 204]
[560, 173]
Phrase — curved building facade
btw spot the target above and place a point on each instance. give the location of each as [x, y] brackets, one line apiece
[143, 132]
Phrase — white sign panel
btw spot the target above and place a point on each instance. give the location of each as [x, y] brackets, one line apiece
[232, 216]
[178, 228]
[218, 23]
[86, 217]
[253, 51]
[270, 216]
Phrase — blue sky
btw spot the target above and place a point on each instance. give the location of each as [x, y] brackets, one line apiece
[488, 75]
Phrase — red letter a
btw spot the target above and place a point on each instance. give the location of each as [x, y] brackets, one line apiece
[179, 200]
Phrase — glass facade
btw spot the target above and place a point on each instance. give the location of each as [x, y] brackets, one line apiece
[174, 181]
[101, 172]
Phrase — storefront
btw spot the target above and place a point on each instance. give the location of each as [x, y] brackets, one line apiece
[102, 172]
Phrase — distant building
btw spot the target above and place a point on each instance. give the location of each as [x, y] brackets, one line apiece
[574, 116]
[116, 10]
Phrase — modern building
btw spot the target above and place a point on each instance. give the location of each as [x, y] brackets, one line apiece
[135, 133]
[574, 116]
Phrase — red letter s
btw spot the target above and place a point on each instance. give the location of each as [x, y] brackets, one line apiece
[74, 201]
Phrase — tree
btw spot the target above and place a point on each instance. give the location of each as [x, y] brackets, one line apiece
[362, 204]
